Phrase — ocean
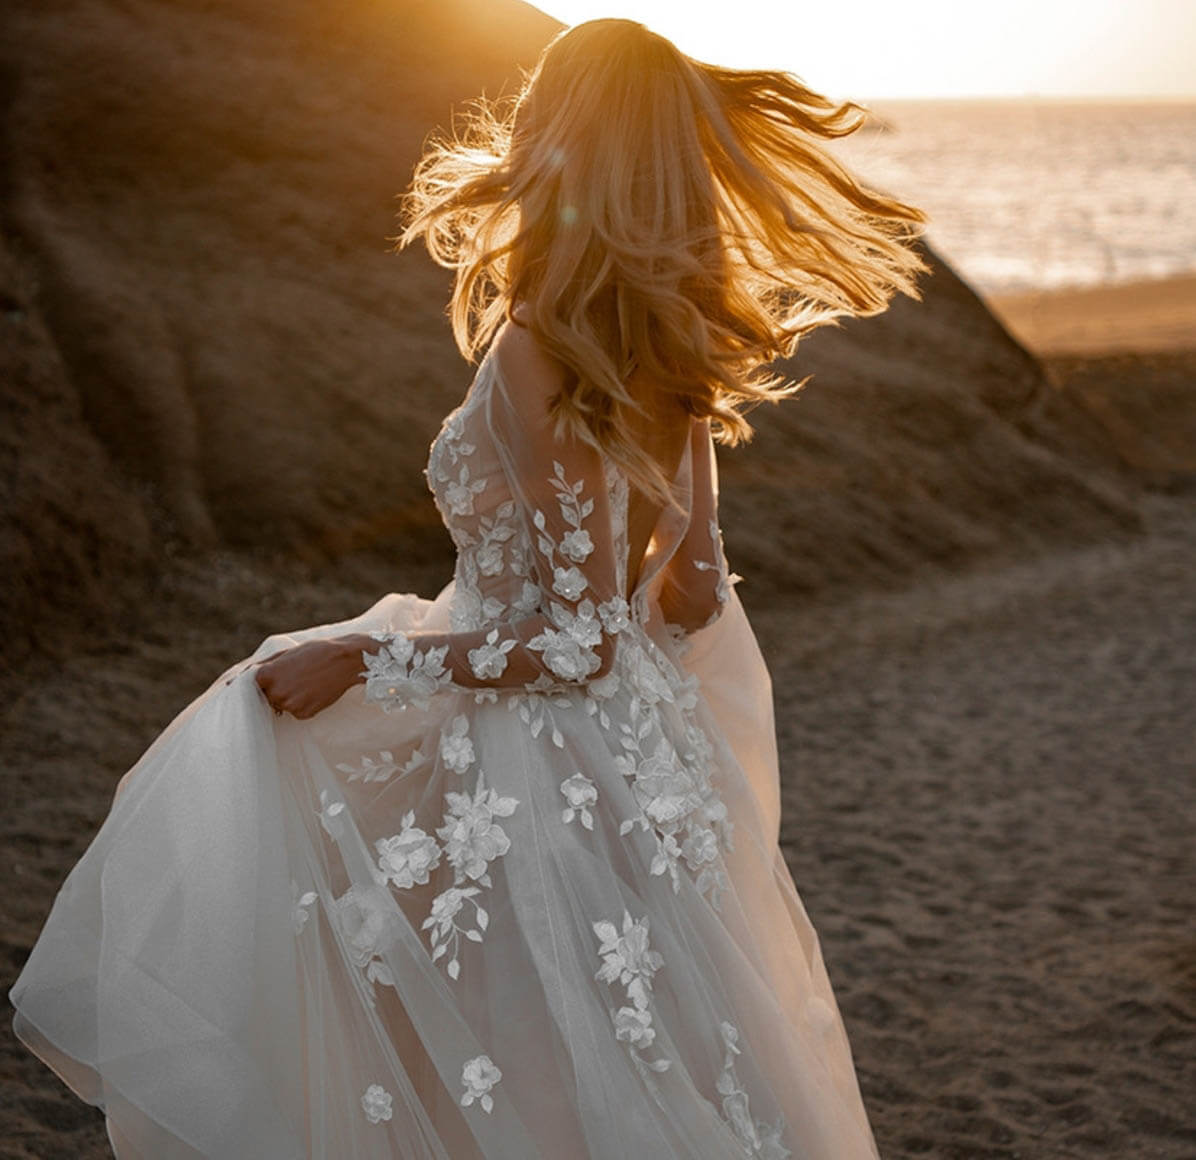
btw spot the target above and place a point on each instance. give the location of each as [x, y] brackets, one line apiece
[1042, 194]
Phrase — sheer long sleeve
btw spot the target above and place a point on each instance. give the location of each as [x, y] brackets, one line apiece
[695, 585]
[563, 629]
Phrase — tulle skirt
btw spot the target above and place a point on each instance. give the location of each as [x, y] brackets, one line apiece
[437, 932]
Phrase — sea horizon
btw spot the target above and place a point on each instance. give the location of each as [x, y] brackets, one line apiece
[1041, 193]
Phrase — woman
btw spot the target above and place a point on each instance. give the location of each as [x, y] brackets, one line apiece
[499, 875]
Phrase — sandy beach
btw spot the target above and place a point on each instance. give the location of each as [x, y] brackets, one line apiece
[1136, 317]
[989, 785]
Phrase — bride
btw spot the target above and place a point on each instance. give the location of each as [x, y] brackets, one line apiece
[497, 874]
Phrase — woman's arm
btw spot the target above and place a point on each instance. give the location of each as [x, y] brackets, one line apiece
[695, 585]
[563, 632]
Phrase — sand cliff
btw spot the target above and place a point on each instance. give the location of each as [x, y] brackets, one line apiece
[209, 345]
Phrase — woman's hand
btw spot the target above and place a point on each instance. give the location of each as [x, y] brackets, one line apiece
[310, 677]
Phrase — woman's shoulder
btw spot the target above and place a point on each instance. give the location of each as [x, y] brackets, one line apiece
[529, 373]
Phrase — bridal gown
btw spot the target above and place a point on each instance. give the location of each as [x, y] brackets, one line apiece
[518, 895]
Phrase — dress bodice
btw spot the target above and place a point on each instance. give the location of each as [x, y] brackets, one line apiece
[496, 571]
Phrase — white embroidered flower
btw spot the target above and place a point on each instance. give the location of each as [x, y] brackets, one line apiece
[760, 1140]
[564, 656]
[646, 678]
[700, 847]
[472, 839]
[735, 1109]
[492, 608]
[398, 674]
[529, 595]
[568, 582]
[447, 904]
[665, 788]
[489, 558]
[714, 809]
[398, 644]
[634, 1026]
[627, 957]
[577, 545]
[408, 857]
[581, 793]
[583, 625]
[479, 1076]
[465, 608]
[489, 660]
[377, 1103]
[685, 694]
[604, 687]
[615, 614]
[456, 749]
[299, 905]
[366, 922]
[459, 494]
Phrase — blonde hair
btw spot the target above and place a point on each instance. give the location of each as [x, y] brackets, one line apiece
[660, 215]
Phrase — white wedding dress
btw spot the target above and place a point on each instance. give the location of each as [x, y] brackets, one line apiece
[518, 896]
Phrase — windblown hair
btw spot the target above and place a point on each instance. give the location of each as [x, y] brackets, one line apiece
[656, 215]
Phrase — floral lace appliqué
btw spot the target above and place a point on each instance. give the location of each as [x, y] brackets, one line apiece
[580, 793]
[628, 959]
[472, 840]
[407, 858]
[479, 1076]
[456, 749]
[672, 786]
[382, 768]
[758, 1139]
[366, 919]
[377, 1104]
[399, 674]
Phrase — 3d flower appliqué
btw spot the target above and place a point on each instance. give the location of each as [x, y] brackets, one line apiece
[580, 793]
[628, 959]
[407, 858]
[377, 1103]
[456, 749]
[366, 918]
[489, 660]
[399, 674]
[472, 838]
[479, 1077]
[759, 1139]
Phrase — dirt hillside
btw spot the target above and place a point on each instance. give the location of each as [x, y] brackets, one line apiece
[209, 345]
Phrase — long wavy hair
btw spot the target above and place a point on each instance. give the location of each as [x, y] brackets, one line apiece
[656, 216]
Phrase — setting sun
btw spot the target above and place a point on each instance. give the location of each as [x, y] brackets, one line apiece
[936, 48]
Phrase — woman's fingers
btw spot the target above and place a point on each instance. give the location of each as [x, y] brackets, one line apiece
[298, 681]
[284, 700]
[267, 681]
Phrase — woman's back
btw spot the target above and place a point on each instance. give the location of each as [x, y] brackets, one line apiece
[663, 430]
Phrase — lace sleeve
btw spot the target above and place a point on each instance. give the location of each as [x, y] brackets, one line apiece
[560, 494]
[696, 583]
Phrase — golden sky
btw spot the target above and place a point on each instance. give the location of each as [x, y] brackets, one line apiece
[934, 48]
